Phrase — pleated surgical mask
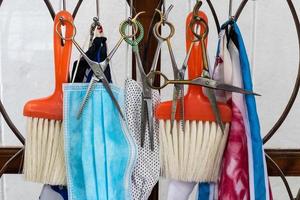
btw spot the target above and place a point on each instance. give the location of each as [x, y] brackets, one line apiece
[100, 152]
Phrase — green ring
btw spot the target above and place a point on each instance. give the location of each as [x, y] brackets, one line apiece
[132, 42]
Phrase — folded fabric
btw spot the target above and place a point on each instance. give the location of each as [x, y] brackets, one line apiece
[180, 190]
[243, 174]
[146, 170]
[100, 152]
[54, 193]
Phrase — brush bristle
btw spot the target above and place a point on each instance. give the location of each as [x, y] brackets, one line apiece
[192, 155]
[44, 160]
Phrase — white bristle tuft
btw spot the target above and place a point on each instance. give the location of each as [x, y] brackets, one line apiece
[44, 160]
[194, 155]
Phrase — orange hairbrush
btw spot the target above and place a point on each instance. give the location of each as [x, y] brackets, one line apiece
[44, 154]
[194, 154]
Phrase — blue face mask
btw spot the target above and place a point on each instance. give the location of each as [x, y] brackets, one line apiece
[100, 153]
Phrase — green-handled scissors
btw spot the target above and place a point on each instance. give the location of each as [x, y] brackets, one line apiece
[147, 107]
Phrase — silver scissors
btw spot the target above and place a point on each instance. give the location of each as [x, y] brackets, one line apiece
[200, 81]
[147, 107]
[98, 68]
[178, 93]
[205, 74]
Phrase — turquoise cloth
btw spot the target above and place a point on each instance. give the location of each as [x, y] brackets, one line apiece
[100, 152]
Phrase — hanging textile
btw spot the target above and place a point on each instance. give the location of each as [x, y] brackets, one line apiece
[54, 193]
[243, 174]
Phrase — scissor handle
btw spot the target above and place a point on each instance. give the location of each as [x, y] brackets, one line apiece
[138, 28]
[159, 25]
[163, 21]
[61, 22]
[197, 20]
[151, 77]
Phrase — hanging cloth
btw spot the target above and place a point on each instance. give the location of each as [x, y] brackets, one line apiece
[54, 193]
[243, 174]
[147, 168]
[97, 52]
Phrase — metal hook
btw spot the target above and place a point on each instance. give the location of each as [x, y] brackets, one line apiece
[131, 8]
[163, 6]
[97, 9]
[64, 5]
[230, 8]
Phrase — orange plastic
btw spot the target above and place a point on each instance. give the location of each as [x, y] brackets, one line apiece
[52, 107]
[196, 104]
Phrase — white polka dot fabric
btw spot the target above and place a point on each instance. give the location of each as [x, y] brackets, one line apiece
[146, 171]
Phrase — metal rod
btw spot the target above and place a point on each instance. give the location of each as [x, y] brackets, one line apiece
[230, 8]
[295, 92]
[76, 8]
[213, 11]
[97, 9]
[131, 8]
[282, 176]
[11, 125]
[50, 8]
[64, 5]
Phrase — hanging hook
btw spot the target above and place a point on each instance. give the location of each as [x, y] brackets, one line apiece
[97, 9]
[164, 6]
[64, 5]
[230, 8]
[131, 8]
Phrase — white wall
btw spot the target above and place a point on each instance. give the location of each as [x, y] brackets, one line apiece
[27, 64]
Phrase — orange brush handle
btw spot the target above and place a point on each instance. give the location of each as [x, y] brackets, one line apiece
[52, 107]
[196, 104]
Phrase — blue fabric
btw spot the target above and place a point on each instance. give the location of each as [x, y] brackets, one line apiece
[204, 191]
[257, 144]
[100, 152]
[54, 193]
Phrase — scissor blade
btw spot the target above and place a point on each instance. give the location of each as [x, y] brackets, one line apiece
[143, 123]
[113, 98]
[174, 105]
[150, 122]
[231, 88]
[94, 80]
[214, 105]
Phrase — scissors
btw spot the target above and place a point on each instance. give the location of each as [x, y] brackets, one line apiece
[205, 74]
[147, 107]
[200, 81]
[178, 93]
[99, 68]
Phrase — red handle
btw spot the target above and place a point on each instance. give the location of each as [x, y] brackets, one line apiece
[52, 107]
[195, 62]
[62, 52]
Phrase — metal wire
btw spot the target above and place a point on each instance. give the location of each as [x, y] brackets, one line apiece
[77, 8]
[282, 176]
[97, 9]
[64, 5]
[230, 9]
[295, 92]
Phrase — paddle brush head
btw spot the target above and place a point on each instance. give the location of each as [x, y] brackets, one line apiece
[51, 107]
[196, 104]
